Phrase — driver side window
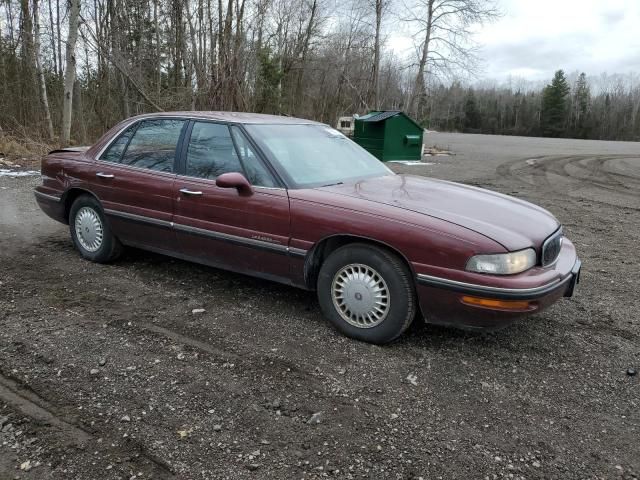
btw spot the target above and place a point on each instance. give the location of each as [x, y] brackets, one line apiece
[211, 152]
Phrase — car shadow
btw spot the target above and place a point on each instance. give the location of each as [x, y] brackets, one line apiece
[420, 334]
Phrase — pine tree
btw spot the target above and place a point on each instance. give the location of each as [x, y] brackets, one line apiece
[269, 78]
[472, 118]
[581, 101]
[554, 106]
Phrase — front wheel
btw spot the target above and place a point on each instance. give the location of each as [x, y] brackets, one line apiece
[367, 293]
[90, 232]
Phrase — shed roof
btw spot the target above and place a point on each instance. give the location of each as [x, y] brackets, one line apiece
[378, 116]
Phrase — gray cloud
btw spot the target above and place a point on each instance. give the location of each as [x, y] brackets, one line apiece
[534, 39]
[537, 53]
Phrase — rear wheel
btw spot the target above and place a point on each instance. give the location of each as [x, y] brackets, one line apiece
[367, 293]
[90, 232]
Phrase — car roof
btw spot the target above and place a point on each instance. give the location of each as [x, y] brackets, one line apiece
[233, 117]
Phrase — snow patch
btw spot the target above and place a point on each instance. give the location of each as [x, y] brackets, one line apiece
[411, 162]
[5, 172]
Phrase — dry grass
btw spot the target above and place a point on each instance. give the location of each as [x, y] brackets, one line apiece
[23, 151]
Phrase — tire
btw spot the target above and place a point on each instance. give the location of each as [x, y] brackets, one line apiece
[90, 232]
[364, 276]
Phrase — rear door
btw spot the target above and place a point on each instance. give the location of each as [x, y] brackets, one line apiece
[134, 179]
[218, 226]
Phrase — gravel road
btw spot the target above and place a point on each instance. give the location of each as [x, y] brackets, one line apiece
[106, 372]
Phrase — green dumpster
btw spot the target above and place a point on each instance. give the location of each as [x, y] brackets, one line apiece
[389, 135]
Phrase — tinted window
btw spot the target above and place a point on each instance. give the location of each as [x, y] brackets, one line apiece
[153, 145]
[114, 152]
[256, 172]
[211, 151]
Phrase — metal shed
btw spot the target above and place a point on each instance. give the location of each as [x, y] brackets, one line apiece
[389, 135]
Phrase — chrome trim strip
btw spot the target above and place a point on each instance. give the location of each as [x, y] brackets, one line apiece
[226, 237]
[297, 252]
[53, 198]
[232, 238]
[139, 218]
[496, 292]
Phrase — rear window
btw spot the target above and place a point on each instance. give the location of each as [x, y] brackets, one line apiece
[115, 150]
[149, 144]
[153, 145]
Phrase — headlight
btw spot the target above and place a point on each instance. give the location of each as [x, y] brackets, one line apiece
[503, 263]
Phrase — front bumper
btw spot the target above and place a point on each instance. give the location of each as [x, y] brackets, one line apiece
[472, 305]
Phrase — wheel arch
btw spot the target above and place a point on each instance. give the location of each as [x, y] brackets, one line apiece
[324, 247]
[70, 196]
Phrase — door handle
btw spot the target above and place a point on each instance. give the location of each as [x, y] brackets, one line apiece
[186, 191]
[104, 175]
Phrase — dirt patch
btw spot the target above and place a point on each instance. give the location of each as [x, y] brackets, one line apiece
[107, 372]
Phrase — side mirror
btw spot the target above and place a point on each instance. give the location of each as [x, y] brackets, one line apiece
[235, 180]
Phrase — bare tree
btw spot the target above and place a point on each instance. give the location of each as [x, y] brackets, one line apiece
[40, 71]
[70, 72]
[294, 57]
[28, 77]
[380, 7]
[446, 43]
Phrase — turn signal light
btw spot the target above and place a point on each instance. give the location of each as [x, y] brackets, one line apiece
[516, 305]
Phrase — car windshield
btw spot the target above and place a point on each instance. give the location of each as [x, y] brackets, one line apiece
[315, 155]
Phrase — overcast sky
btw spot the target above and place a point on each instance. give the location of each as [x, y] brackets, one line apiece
[536, 37]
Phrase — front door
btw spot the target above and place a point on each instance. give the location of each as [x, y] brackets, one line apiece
[219, 226]
[134, 179]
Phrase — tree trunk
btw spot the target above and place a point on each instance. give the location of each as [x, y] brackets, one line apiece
[375, 81]
[28, 80]
[418, 86]
[3, 71]
[58, 20]
[80, 113]
[297, 97]
[158, 58]
[53, 38]
[41, 79]
[195, 60]
[70, 72]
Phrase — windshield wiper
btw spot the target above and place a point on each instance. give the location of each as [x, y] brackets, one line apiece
[333, 184]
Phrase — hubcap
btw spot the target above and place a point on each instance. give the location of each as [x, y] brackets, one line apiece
[360, 295]
[89, 229]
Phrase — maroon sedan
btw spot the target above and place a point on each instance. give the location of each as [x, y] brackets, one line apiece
[295, 201]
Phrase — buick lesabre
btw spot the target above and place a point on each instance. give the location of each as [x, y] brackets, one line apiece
[297, 202]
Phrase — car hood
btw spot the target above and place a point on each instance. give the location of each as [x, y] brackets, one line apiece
[513, 223]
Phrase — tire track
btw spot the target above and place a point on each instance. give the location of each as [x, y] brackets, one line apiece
[26, 401]
[38, 409]
[573, 172]
[242, 354]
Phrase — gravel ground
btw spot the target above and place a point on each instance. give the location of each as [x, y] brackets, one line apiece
[106, 372]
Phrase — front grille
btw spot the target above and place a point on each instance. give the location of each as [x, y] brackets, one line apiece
[551, 248]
